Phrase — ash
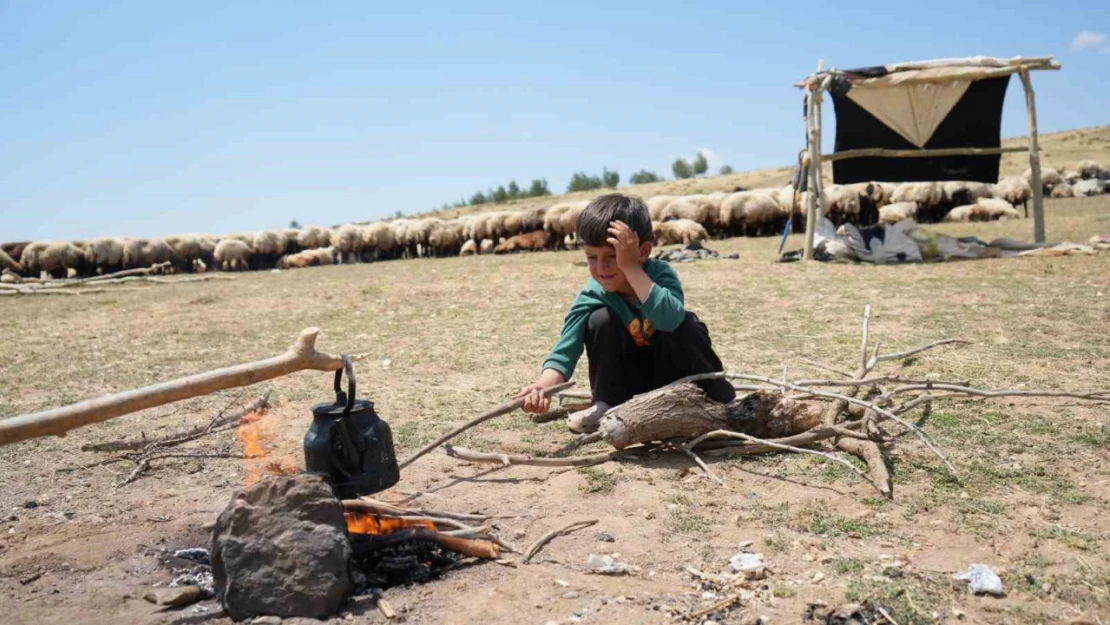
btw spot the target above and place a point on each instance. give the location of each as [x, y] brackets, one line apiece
[199, 575]
[411, 562]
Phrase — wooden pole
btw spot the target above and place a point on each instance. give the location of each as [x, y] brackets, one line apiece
[1034, 157]
[811, 205]
[884, 152]
[302, 355]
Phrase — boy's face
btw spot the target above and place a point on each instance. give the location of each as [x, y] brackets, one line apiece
[602, 261]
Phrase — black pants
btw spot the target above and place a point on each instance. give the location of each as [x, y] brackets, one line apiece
[620, 369]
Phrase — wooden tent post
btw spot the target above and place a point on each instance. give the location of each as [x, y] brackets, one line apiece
[811, 205]
[1034, 157]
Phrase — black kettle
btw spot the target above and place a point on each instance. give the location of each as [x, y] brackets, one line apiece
[349, 444]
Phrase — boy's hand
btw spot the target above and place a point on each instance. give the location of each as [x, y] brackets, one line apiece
[534, 400]
[627, 244]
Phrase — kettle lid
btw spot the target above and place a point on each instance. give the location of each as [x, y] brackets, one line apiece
[336, 409]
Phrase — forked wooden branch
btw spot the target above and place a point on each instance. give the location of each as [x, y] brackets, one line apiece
[57, 421]
[548, 537]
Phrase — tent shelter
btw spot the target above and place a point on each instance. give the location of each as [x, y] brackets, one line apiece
[923, 121]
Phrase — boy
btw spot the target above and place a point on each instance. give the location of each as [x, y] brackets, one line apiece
[630, 318]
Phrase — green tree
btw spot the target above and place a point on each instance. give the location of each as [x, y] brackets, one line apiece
[514, 190]
[643, 177]
[500, 195]
[681, 168]
[582, 181]
[726, 170]
[701, 165]
[610, 179]
[538, 188]
[478, 198]
[295, 224]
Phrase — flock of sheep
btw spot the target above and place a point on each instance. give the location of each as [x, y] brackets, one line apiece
[677, 219]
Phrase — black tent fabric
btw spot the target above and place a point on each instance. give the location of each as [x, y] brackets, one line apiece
[975, 121]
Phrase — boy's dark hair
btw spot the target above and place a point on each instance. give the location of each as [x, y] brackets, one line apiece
[593, 223]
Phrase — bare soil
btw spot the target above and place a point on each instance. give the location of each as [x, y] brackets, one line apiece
[448, 339]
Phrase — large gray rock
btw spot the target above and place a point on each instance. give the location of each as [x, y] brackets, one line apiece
[280, 548]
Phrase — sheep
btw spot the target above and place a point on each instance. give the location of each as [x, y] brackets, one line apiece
[656, 204]
[191, 250]
[470, 248]
[311, 237]
[141, 253]
[233, 255]
[1015, 190]
[694, 208]
[1090, 187]
[348, 241]
[962, 192]
[532, 219]
[7, 262]
[568, 221]
[444, 239]
[56, 258]
[570, 242]
[552, 222]
[510, 223]
[929, 197]
[893, 213]
[684, 231]
[841, 204]
[872, 196]
[1062, 191]
[1089, 169]
[1072, 177]
[534, 241]
[15, 250]
[1049, 178]
[377, 240]
[986, 209]
[486, 246]
[292, 246]
[751, 214]
[104, 255]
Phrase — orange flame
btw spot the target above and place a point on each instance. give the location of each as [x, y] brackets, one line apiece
[255, 447]
[360, 523]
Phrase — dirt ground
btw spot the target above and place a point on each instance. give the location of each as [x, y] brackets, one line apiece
[448, 339]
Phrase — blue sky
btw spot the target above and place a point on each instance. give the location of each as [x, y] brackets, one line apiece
[150, 118]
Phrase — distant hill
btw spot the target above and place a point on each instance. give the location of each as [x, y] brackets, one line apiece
[1060, 150]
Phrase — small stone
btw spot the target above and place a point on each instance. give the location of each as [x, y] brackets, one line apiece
[571, 595]
[1047, 587]
[519, 533]
[348, 617]
[604, 537]
[818, 577]
[30, 504]
[267, 620]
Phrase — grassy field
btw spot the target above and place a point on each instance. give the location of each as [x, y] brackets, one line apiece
[446, 339]
[1061, 150]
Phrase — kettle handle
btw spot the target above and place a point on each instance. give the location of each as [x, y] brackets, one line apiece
[348, 398]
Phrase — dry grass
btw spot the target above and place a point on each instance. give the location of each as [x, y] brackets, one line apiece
[462, 334]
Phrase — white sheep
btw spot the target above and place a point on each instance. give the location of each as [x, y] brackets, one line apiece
[470, 248]
[1090, 187]
[684, 231]
[986, 209]
[232, 255]
[1062, 191]
[348, 240]
[894, 213]
[751, 214]
[1089, 169]
[656, 204]
[105, 254]
[56, 258]
[486, 246]
[311, 237]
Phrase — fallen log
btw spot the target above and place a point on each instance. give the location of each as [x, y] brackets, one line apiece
[682, 411]
[57, 421]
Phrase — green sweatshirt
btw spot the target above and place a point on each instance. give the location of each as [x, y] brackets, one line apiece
[663, 310]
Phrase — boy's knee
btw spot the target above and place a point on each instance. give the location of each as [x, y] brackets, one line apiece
[602, 320]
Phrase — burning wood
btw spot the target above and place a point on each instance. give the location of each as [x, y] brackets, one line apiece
[362, 523]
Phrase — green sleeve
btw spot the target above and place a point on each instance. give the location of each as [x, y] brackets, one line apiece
[572, 341]
[664, 305]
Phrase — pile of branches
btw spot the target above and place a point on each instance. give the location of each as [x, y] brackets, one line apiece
[858, 412]
[13, 284]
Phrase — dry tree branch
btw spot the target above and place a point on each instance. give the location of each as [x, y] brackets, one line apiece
[801, 450]
[684, 448]
[504, 409]
[918, 350]
[521, 459]
[957, 388]
[548, 537]
[866, 335]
